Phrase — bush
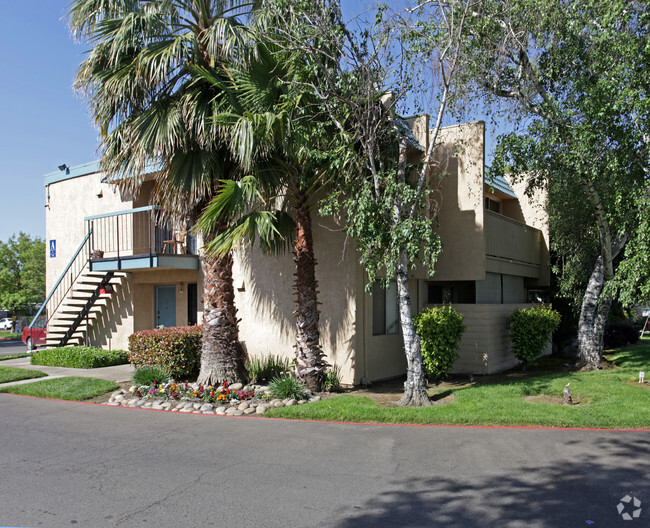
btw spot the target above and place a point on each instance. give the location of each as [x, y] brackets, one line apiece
[79, 357]
[150, 375]
[175, 349]
[287, 386]
[332, 378]
[530, 331]
[620, 334]
[262, 369]
[440, 330]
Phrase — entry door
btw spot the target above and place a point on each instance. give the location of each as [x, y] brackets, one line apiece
[165, 306]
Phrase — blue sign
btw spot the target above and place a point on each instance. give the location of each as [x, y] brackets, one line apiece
[52, 248]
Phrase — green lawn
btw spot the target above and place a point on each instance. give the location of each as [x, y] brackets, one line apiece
[14, 356]
[68, 388]
[608, 399]
[7, 334]
[9, 374]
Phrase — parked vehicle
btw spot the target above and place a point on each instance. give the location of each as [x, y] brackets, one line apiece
[35, 336]
[6, 323]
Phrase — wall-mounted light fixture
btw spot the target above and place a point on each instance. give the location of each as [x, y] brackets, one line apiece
[180, 287]
[65, 168]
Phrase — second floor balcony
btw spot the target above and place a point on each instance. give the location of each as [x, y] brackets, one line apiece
[138, 239]
[514, 243]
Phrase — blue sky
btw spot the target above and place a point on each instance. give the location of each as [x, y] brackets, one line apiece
[43, 123]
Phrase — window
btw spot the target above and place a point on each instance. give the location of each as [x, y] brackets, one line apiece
[492, 205]
[385, 314]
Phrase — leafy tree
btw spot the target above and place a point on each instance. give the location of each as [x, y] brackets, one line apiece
[384, 188]
[22, 273]
[571, 74]
[151, 109]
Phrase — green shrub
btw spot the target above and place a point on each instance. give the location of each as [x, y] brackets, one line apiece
[287, 386]
[175, 349]
[262, 369]
[79, 357]
[332, 378]
[440, 330]
[531, 330]
[149, 375]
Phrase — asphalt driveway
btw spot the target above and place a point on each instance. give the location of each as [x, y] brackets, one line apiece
[67, 464]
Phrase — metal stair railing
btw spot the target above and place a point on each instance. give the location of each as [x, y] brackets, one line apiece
[66, 281]
[86, 309]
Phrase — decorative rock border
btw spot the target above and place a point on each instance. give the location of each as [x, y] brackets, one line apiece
[123, 398]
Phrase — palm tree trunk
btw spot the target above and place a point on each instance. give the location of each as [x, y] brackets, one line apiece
[310, 362]
[222, 355]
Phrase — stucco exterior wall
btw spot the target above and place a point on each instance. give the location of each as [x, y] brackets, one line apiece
[533, 211]
[68, 202]
[266, 301]
[461, 203]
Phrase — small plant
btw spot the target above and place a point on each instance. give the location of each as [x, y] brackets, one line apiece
[150, 375]
[332, 378]
[79, 357]
[262, 369]
[440, 330]
[287, 386]
[531, 330]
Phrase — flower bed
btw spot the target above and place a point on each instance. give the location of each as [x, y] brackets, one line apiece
[232, 399]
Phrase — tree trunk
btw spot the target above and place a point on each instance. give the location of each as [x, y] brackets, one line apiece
[593, 317]
[310, 362]
[415, 389]
[222, 355]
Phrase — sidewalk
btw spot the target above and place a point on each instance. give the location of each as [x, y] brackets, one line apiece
[118, 373]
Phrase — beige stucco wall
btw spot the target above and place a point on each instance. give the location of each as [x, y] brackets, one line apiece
[461, 203]
[266, 302]
[68, 202]
[533, 210]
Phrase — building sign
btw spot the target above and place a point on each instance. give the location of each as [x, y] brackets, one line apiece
[52, 248]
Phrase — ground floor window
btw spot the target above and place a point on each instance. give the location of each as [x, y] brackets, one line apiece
[385, 314]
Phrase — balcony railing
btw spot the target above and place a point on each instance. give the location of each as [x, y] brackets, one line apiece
[137, 232]
[508, 239]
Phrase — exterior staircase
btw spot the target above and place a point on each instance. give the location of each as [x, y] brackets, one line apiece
[82, 307]
[78, 299]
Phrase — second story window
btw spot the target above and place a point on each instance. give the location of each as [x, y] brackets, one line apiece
[492, 205]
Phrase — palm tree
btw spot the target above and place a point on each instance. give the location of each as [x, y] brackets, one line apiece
[151, 108]
[277, 135]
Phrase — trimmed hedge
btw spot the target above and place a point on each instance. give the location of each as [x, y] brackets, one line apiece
[531, 330]
[79, 357]
[440, 330]
[176, 349]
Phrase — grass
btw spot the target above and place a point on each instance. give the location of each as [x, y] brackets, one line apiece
[69, 388]
[608, 399]
[13, 356]
[9, 374]
[79, 357]
[6, 334]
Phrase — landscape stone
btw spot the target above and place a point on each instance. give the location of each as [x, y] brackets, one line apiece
[206, 407]
[314, 398]
[243, 406]
[236, 386]
[291, 403]
[260, 409]
[278, 404]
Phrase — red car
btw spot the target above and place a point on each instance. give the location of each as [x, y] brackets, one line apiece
[35, 336]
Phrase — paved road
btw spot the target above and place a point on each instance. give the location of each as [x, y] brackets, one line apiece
[9, 348]
[68, 464]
